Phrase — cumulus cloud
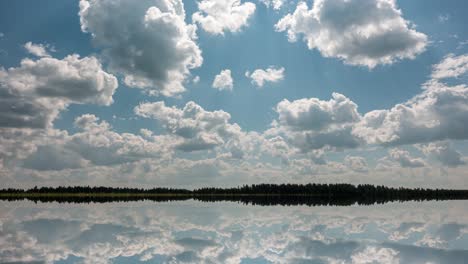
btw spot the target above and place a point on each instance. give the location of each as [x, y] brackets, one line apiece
[100, 145]
[311, 124]
[96, 149]
[218, 16]
[37, 50]
[364, 33]
[53, 157]
[277, 147]
[199, 129]
[148, 42]
[18, 143]
[223, 81]
[193, 128]
[299, 137]
[146, 132]
[96, 144]
[35, 92]
[260, 76]
[196, 79]
[33, 95]
[438, 113]
[404, 159]
[315, 114]
[435, 114]
[444, 153]
[356, 163]
[451, 67]
[275, 4]
[334, 139]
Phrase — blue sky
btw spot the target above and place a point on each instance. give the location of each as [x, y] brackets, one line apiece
[405, 42]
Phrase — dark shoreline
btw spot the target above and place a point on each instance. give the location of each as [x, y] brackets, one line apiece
[260, 194]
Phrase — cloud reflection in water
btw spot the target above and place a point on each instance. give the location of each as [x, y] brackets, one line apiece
[195, 232]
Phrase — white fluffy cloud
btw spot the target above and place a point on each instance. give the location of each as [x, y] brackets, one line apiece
[223, 81]
[35, 92]
[102, 146]
[356, 163]
[360, 32]
[315, 114]
[435, 114]
[311, 124]
[193, 128]
[277, 147]
[275, 4]
[260, 76]
[148, 42]
[32, 96]
[439, 112]
[18, 143]
[444, 153]
[96, 145]
[405, 160]
[199, 129]
[305, 133]
[218, 16]
[37, 50]
[451, 67]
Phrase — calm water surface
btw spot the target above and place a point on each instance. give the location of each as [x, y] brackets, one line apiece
[196, 232]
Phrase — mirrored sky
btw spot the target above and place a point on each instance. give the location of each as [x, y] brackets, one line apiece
[229, 92]
[195, 232]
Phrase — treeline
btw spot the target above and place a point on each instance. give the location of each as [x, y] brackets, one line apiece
[257, 194]
[325, 194]
[90, 190]
[336, 190]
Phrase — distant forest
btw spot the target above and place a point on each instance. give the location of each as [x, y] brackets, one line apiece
[257, 194]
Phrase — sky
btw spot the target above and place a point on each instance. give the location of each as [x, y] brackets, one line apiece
[229, 92]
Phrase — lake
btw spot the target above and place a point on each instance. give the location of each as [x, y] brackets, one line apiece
[229, 232]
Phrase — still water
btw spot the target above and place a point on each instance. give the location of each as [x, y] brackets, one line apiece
[197, 232]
